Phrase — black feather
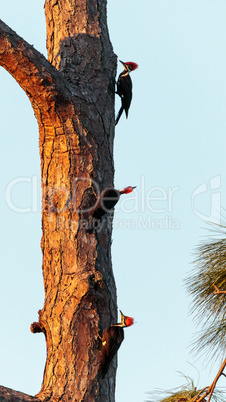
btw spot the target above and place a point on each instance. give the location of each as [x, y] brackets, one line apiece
[119, 115]
[111, 342]
[124, 90]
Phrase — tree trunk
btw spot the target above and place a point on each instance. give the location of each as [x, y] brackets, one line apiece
[73, 100]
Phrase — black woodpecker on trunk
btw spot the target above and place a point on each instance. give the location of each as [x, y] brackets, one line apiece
[107, 200]
[124, 88]
[111, 341]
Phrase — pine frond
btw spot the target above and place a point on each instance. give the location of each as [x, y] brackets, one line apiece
[185, 393]
[211, 341]
[208, 307]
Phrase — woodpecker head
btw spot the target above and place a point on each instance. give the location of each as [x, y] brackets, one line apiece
[126, 321]
[127, 190]
[129, 66]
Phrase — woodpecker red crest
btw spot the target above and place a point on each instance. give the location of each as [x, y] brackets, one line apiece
[129, 321]
[127, 190]
[130, 65]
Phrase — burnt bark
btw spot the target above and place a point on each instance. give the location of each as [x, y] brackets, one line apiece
[72, 95]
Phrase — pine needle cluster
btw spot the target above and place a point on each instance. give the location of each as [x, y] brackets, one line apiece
[186, 393]
[207, 284]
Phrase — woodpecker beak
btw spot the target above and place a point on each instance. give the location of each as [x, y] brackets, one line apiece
[134, 187]
[122, 317]
[124, 64]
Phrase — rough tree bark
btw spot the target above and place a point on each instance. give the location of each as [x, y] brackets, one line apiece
[72, 96]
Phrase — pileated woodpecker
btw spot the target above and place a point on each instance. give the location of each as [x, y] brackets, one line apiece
[108, 199]
[124, 88]
[111, 341]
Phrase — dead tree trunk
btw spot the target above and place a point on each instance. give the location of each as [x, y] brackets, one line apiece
[72, 96]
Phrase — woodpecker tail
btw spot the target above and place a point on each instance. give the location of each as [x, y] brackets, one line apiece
[119, 115]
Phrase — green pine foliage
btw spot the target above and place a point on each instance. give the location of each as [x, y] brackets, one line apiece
[210, 308]
[186, 393]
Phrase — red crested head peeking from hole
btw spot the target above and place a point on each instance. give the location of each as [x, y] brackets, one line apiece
[127, 190]
[126, 321]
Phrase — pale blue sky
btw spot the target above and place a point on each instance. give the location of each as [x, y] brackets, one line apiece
[172, 147]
